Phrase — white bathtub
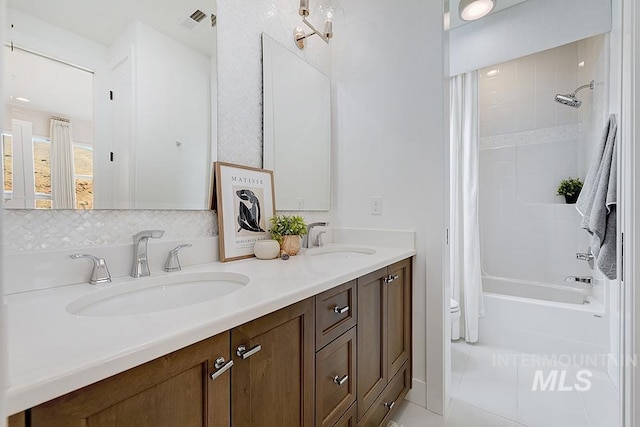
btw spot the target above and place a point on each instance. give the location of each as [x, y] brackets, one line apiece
[543, 319]
[578, 294]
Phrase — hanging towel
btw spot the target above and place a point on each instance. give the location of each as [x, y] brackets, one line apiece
[597, 201]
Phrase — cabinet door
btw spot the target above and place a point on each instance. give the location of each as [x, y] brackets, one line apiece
[335, 379]
[273, 373]
[398, 316]
[371, 337]
[174, 390]
[385, 405]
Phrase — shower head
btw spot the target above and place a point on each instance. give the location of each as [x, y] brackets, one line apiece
[570, 99]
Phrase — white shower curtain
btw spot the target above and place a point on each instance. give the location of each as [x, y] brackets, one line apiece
[466, 274]
[63, 191]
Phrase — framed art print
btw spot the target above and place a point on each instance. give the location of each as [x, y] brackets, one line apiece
[244, 201]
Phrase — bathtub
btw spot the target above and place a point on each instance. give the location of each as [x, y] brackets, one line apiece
[546, 319]
[537, 291]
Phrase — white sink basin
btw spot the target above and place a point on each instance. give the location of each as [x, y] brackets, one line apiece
[341, 251]
[152, 294]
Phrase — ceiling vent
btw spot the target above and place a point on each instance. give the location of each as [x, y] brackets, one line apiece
[194, 19]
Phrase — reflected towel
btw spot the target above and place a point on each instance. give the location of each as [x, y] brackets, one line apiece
[597, 201]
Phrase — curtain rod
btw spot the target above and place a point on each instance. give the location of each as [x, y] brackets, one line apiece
[12, 46]
[62, 119]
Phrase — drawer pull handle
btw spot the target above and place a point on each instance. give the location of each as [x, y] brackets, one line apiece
[389, 405]
[340, 310]
[222, 366]
[340, 380]
[245, 354]
[390, 278]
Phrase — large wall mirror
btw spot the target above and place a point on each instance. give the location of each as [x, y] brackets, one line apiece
[297, 129]
[109, 104]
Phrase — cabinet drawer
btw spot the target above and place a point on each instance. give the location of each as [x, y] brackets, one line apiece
[386, 403]
[336, 313]
[335, 379]
[349, 419]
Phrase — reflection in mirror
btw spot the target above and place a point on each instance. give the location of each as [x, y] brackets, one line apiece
[109, 104]
[297, 129]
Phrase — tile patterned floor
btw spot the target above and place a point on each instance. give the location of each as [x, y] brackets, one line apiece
[492, 387]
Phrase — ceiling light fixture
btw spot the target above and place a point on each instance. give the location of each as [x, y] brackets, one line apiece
[19, 98]
[328, 12]
[471, 10]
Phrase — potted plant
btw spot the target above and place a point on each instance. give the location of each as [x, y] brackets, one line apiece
[287, 231]
[570, 189]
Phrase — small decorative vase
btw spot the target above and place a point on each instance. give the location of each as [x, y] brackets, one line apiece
[290, 244]
[571, 199]
[266, 249]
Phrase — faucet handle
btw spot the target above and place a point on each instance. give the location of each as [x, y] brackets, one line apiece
[100, 273]
[173, 262]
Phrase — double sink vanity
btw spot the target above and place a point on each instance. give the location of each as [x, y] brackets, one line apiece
[321, 339]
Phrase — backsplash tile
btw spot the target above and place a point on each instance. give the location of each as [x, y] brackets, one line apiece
[39, 230]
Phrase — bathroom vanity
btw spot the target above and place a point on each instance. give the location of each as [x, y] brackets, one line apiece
[320, 340]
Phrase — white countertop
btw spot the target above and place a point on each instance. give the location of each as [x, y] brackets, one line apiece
[52, 352]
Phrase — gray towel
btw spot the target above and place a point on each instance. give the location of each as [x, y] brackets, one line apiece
[597, 201]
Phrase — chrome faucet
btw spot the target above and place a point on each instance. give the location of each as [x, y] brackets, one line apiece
[140, 261]
[307, 237]
[100, 273]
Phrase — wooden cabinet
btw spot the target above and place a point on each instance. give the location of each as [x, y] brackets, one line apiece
[341, 358]
[350, 418]
[336, 312]
[384, 331]
[335, 379]
[177, 389]
[273, 372]
[391, 396]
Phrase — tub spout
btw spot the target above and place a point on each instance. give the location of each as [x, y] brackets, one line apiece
[579, 279]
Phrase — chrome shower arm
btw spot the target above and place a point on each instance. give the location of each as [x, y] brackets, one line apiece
[589, 85]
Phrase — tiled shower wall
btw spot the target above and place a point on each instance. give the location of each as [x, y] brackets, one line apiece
[528, 144]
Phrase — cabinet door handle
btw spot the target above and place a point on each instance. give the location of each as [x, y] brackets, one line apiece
[340, 310]
[221, 367]
[389, 405]
[390, 278]
[340, 380]
[244, 353]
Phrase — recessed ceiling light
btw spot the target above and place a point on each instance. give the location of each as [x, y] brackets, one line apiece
[493, 73]
[470, 10]
[581, 64]
[22, 99]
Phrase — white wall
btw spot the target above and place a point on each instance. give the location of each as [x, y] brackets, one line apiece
[529, 143]
[529, 27]
[388, 70]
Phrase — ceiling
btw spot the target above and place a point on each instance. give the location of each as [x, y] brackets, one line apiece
[455, 20]
[104, 21]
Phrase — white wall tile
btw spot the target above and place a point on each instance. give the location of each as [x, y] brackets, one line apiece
[535, 143]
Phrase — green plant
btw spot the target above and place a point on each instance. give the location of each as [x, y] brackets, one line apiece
[570, 187]
[285, 225]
